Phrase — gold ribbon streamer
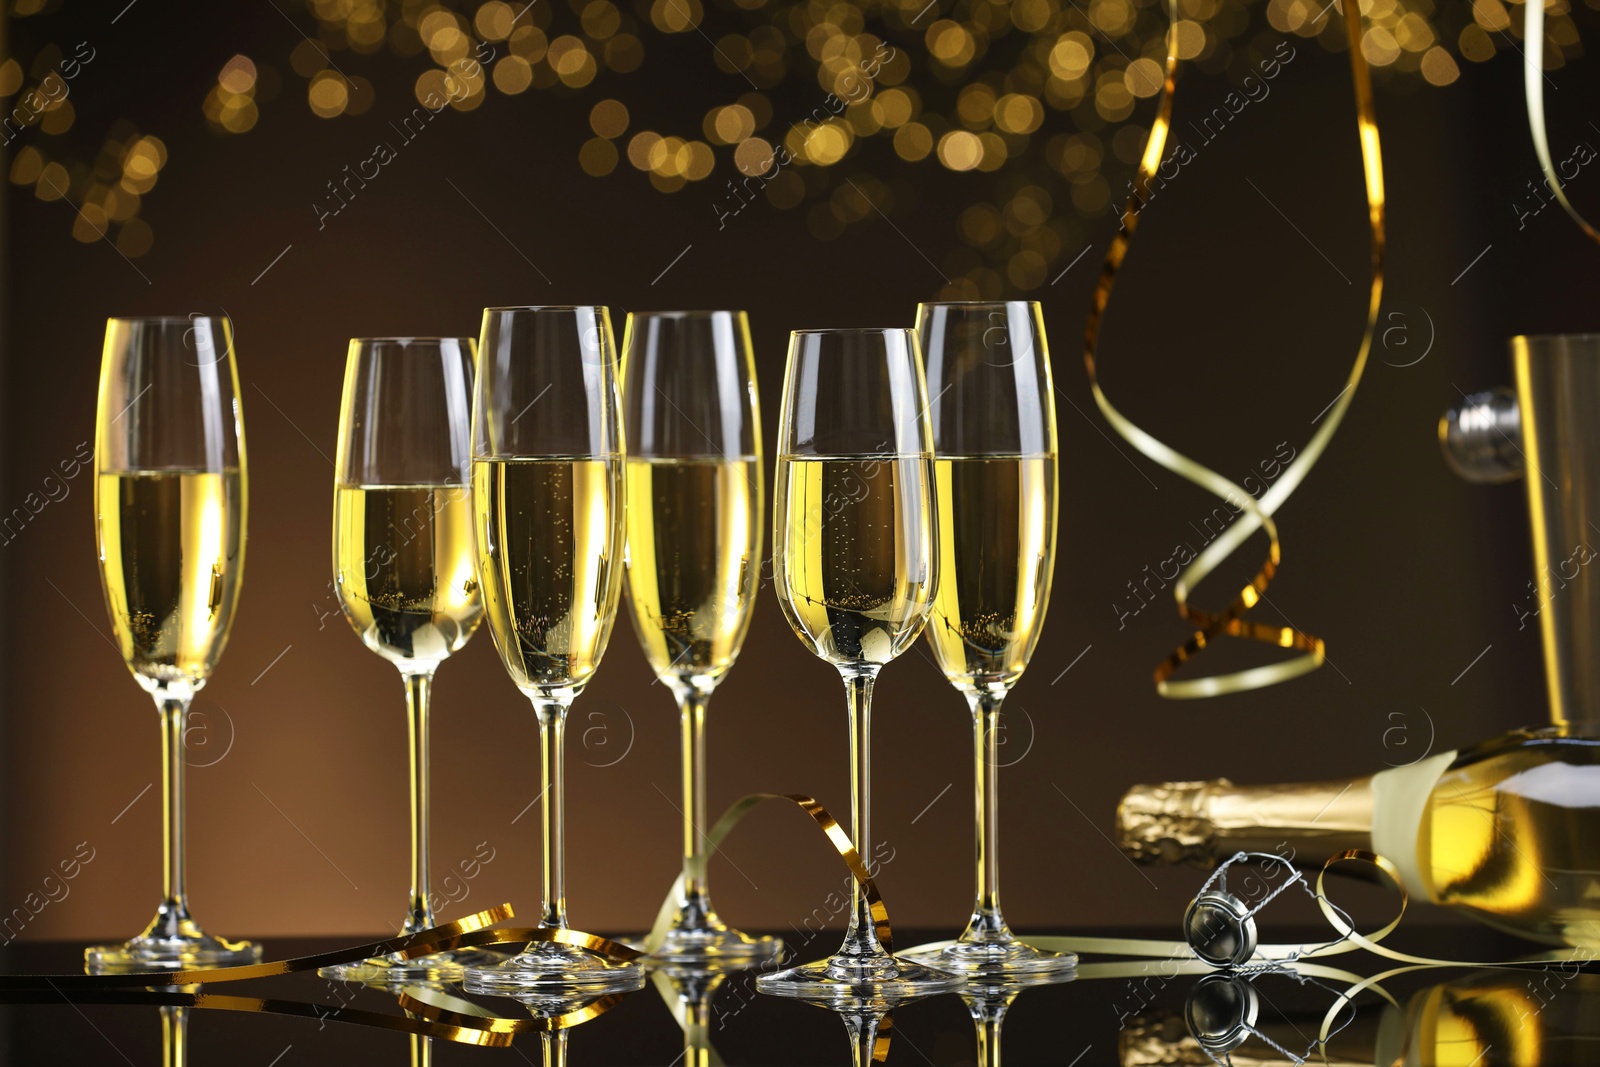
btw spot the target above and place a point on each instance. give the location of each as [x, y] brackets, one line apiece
[836, 836]
[1256, 514]
[1533, 88]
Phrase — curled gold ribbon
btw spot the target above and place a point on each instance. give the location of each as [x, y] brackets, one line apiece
[836, 837]
[1533, 89]
[1255, 514]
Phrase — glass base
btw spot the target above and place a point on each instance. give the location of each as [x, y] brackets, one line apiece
[859, 977]
[714, 945]
[183, 949]
[549, 968]
[996, 959]
[389, 971]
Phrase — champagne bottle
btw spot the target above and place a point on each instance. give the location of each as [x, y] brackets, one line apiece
[1507, 832]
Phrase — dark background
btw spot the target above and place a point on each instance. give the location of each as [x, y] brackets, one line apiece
[1229, 333]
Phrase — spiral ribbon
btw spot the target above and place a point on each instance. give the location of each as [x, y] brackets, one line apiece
[1255, 514]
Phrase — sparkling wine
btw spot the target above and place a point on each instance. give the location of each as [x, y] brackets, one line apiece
[694, 535]
[171, 555]
[549, 560]
[1507, 832]
[402, 563]
[996, 556]
[854, 554]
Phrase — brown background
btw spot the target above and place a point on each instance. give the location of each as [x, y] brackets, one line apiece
[1230, 333]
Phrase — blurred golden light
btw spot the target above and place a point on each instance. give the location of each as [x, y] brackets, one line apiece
[328, 94]
[366, 29]
[597, 157]
[960, 150]
[1032, 16]
[701, 161]
[134, 238]
[1475, 44]
[308, 57]
[1113, 17]
[438, 29]
[10, 77]
[975, 105]
[951, 43]
[609, 118]
[26, 166]
[529, 43]
[733, 53]
[512, 75]
[91, 223]
[675, 16]
[1191, 38]
[1379, 46]
[669, 156]
[53, 182]
[667, 183]
[238, 75]
[1439, 67]
[1071, 55]
[828, 143]
[624, 53]
[785, 191]
[980, 225]
[494, 20]
[913, 142]
[994, 151]
[600, 19]
[892, 108]
[58, 117]
[1017, 113]
[1027, 270]
[571, 61]
[734, 123]
[1491, 14]
[754, 156]
[361, 96]
[1143, 77]
[430, 88]
[640, 148]
[1112, 100]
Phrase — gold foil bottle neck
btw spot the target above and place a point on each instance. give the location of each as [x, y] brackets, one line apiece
[1170, 823]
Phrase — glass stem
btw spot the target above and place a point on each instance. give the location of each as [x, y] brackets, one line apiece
[988, 1027]
[419, 687]
[694, 906]
[986, 923]
[867, 1031]
[552, 780]
[174, 1036]
[862, 937]
[421, 1051]
[555, 1048]
[175, 895]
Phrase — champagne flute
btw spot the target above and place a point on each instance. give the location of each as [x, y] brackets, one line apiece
[694, 489]
[855, 551]
[402, 562]
[994, 443]
[547, 479]
[169, 511]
